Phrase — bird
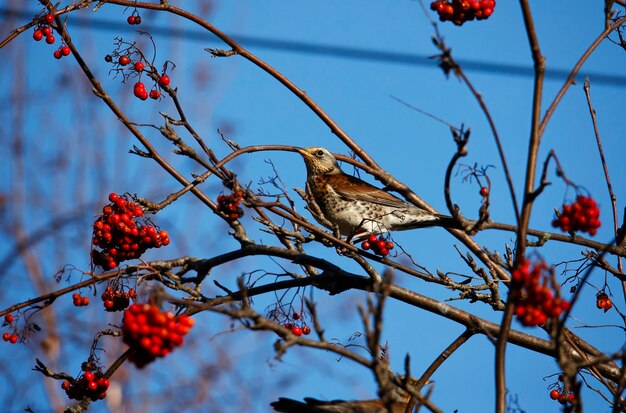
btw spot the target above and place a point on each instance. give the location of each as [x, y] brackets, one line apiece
[311, 405]
[354, 207]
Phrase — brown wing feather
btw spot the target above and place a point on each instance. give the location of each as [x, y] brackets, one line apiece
[355, 188]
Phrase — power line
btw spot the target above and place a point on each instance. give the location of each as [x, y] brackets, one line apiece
[384, 56]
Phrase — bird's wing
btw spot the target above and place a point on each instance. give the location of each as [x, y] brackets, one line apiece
[354, 188]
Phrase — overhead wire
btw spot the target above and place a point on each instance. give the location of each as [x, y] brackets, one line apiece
[342, 52]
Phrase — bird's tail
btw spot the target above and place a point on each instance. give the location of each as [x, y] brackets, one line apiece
[286, 405]
[425, 220]
[447, 221]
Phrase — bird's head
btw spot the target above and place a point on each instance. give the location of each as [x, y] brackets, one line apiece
[319, 161]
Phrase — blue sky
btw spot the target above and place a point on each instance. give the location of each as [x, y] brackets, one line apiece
[233, 95]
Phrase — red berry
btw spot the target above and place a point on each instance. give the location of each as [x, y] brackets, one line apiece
[138, 90]
[131, 19]
[306, 330]
[50, 39]
[366, 245]
[37, 35]
[570, 397]
[113, 197]
[84, 301]
[66, 385]
[57, 54]
[447, 11]
[6, 336]
[124, 60]
[89, 376]
[103, 383]
[109, 304]
[9, 318]
[164, 80]
[92, 385]
[484, 191]
[143, 95]
[139, 66]
[65, 51]
[121, 202]
[46, 30]
[296, 330]
[155, 94]
[13, 339]
[554, 394]
[76, 296]
[137, 211]
[296, 316]
[48, 18]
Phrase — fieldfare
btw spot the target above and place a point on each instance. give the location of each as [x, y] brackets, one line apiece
[311, 405]
[355, 207]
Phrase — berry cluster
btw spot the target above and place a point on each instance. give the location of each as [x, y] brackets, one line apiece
[79, 300]
[581, 215]
[229, 205]
[134, 18]
[117, 300]
[90, 384]
[152, 333]
[603, 302]
[139, 88]
[44, 29]
[297, 328]
[379, 245]
[62, 51]
[120, 237]
[534, 301]
[460, 11]
[10, 337]
[560, 397]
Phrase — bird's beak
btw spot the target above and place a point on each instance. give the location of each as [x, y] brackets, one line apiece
[302, 152]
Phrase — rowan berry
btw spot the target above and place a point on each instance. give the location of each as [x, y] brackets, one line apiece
[164, 80]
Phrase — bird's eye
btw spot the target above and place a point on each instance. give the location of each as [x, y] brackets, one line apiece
[320, 153]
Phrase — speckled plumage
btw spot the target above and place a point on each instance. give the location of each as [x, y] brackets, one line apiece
[355, 206]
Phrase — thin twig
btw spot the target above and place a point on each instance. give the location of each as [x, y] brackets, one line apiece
[605, 168]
